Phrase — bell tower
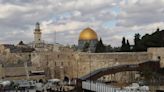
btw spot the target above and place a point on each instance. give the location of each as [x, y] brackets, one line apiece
[37, 35]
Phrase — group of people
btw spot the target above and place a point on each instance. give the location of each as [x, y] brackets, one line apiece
[51, 85]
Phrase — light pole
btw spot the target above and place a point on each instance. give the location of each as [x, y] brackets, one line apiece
[77, 70]
[26, 67]
[47, 67]
[90, 70]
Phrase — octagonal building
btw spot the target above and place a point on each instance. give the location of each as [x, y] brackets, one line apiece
[87, 40]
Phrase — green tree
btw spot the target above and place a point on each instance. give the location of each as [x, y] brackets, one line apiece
[123, 47]
[100, 47]
[86, 47]
[137, 43]
[155, 39]
[149, 74]
[128, 46]
[109, 48]
[157, 30]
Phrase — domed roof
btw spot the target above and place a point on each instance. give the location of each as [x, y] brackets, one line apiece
[88, 34]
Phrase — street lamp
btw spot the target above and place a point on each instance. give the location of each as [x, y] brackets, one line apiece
[77, 70]
[26, 67]
[47, 66]
[90, 70]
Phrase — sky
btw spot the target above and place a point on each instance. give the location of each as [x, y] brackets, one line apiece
[65, 19]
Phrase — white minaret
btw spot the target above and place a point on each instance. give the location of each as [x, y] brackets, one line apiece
[37, 35]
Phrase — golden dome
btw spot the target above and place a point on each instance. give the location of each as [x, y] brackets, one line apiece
[88, 34]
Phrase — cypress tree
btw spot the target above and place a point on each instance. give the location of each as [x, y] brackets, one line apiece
[100, 47]
[123, 47]
[137, 42]
[128, 46]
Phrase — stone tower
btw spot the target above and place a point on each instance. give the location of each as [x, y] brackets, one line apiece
[37, 36]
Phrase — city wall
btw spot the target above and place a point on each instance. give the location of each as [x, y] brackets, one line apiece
[77, 64]
[157, 54]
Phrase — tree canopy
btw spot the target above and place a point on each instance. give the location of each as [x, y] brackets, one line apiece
[86, 47]
[125, 45]
[155, 39]
[100, 47]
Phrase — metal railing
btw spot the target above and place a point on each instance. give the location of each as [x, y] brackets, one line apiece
[100, 87]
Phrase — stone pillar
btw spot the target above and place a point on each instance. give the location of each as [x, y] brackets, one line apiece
[1, 71]
[61, 73]
[52, 72]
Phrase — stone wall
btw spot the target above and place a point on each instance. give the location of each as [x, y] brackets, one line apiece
[157, 54]
[1, 71]
[92, 61]
[56, 64]
[10, 59]
[3, 50]
[76, 64]
[18, 73]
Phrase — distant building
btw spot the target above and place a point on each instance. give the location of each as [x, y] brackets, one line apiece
[88, 37]
[19, 48]
[49, 61]
[38, 43]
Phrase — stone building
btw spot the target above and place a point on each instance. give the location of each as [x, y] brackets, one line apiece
[19, 48]
[88, 40]
[157, 54]
[57, 61]
[38, 43]
[74, 64]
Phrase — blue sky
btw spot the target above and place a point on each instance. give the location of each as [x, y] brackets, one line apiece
[111, 19]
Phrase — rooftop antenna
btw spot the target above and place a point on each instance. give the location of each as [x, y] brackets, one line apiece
[55, 37]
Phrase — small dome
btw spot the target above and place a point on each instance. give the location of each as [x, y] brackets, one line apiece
[88, 34]
[21, 43]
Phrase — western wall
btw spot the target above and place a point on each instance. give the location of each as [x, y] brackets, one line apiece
[78, 64]
[58, 64]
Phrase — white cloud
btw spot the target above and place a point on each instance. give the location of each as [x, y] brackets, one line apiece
[6, 10]
[140, 12]
[69, 17]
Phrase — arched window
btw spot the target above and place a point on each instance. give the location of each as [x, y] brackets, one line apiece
[159, 58]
